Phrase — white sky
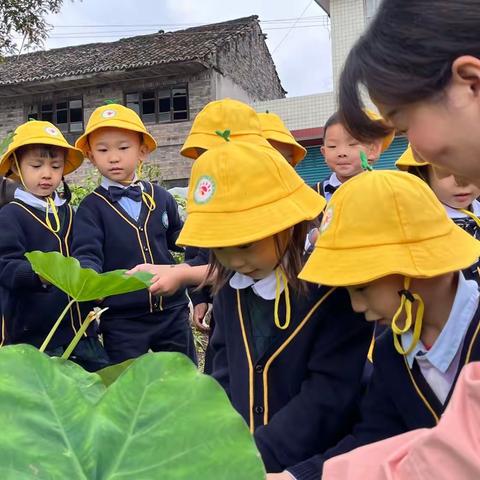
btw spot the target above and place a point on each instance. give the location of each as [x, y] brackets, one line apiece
[302, 58]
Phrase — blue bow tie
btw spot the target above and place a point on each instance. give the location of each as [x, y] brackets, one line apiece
[330, 188]
[133, 192]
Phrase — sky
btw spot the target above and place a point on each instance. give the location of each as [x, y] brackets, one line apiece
[298, 34]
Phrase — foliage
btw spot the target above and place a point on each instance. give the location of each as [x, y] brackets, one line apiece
[159, 419]
[81, 189]
[25, 18]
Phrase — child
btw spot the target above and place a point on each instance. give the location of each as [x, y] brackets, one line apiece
[387, 239]
[457, 195]
[280, 345]
[124, 222]
[342, 154]
[280, 138]
[38, 219]
[433, 96]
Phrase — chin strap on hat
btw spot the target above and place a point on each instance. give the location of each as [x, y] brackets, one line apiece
[406, 303]
[471, 215]
[281, 277]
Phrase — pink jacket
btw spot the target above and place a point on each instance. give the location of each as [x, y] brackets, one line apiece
[449, 451]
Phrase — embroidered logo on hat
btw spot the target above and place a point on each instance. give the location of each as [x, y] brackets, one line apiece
[204, 190]
[109, 113]
[165, 219]
[327, 219]
[51, 131]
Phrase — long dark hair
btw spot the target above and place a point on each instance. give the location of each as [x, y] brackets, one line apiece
[406, 56]
[291, 259]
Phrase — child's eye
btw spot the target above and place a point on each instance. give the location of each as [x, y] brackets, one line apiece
[352, 144]
[331, 146]
[246, 246]
[360, 289]
[125, 147]
[102, 150]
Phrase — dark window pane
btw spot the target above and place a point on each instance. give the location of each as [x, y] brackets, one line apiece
[62, 106]
[62, 116]
[164, 105]
[47, 116]
[76, 115]
[179, 103]
[47, 107]
[148, 106]
[148, 95]
[75, 104]
[180, 116]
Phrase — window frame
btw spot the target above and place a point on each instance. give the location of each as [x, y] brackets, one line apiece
[157, 112]
[54, 102]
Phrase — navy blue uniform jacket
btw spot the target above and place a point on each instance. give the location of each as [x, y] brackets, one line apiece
[300, 396]
[398, 400]
[106, 238]
[29, 308]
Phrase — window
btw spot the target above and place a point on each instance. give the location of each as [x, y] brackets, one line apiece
[168, 104]
[371, 7]
[66, 114]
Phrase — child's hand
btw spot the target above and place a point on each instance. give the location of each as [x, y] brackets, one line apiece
[167, 279]
[199, 313]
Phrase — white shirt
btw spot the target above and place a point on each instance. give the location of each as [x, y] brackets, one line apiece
[439, 365]
[36, 202]
[265, 288]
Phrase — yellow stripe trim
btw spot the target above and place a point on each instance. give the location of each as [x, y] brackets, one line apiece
[419, 392]
[149, 249]
[282, 347]
[470, 347]
[3, 331]
[250, 364]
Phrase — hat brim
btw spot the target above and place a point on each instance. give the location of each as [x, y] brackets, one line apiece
[207, 141]
[227, 229]
[299, 152]
[73, 160]
[355, 266]
[82, 141]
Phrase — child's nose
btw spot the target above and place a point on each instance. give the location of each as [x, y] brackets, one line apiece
[358, 305]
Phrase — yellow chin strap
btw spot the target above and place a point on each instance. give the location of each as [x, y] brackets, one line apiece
[49, 200]
[471, 215]
[279, 277]
[146, 198]
[406, 303]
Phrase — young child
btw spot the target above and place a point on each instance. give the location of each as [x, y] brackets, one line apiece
[280, 138]
[387, 239]
[457, 195]
[433, 98]
[280, 345]
[342, 154]
[38, 219]
[124, 222]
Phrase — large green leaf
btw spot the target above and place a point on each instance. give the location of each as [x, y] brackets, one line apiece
[84, 284]
[161, 419]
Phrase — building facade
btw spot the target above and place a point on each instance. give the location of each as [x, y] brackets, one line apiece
[166, 77]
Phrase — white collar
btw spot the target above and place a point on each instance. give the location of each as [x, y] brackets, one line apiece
[106, 183]
[35, 202]
[449, 341]
[265, 288]
[455, 213]
[334, 181]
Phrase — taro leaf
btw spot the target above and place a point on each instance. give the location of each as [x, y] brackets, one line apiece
[160, 419]
[111, 373]
[84, 284]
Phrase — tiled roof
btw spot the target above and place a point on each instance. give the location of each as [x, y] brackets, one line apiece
[191, 44]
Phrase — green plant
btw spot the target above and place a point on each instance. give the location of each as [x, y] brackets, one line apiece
[82, 189]
[155, 418]
[82, 284]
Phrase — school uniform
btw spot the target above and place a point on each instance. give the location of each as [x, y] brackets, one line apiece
[412, 391]
[195, 257]
[115, 229]
[296, 388]
[468, 224]
[328, 186]
[30, 307]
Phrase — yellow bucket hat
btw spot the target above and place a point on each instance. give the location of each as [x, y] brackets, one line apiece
[407, 160]
[220, 115]
[240, 193]
[382, 223]
[45, 133]
[273, 128]
[117, 116]
[387, 141]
